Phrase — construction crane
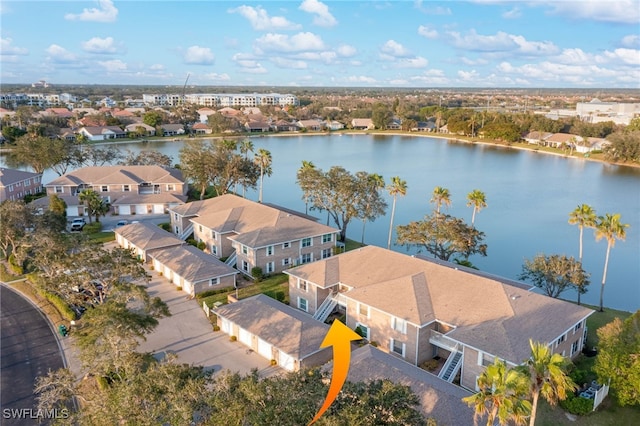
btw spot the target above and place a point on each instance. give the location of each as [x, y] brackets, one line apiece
[184, 88]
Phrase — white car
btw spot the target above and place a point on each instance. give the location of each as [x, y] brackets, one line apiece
[77, 224]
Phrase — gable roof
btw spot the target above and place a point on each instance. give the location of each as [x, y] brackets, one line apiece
[255, 224]
[289, 330]
[102, 130]
[147, 236]
[11, 176]
[439, 399]
[192, 264]
[133, 175]
[421, 291]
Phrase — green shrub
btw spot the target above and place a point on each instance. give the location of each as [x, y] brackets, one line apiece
[179, 288]
[201, 245]
[430, 365]
[15, 267]
[374, 344]
[274, 362]
[233, 338]
[208, 293]
[166, 226]
[92, 228]
[216, 327]
[192, 242]
[60, 304]
[577, 405]
[256, 273]
[103, 382]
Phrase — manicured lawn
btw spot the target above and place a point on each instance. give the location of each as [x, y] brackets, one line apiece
[276, 286]
[609, 412]
[102, 237]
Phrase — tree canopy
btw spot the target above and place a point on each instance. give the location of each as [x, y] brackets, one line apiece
[555, 273]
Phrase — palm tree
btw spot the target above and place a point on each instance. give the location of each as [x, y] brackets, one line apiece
[375, 183]
[501, 395]
[263, 160]
[397, 187]
[478, 200]
[547, 377]
[610, 228]
[440, 196]
[246, 146]
[585, 217]
[307, 166]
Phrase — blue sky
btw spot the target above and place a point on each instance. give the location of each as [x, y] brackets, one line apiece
[479, 43]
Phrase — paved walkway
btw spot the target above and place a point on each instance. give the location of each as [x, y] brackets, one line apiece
[188, 333]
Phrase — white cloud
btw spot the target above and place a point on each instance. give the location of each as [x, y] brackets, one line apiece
[289, 63]
[632, 40]
[394, 49]
[105, 13]
[512, 13]
[360, 79]
[627, 56]
[502, 42]
[59, 54]
[260, 19]
[574, 56]
[618, 11]
[157, 67]
[431, 77]
[115, 65]
[327, 57]
[431, 9]
[99, 45]
[468, 75]
[427, 32]
[323, 17]
[346, 51]
[197, 55]
[283, 43]
[417, 62]
[248, 64]
[217, 77]
[7, 49]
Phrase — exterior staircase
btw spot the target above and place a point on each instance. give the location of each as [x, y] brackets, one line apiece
[451, 367]
[187, 231]
[325, 309]
[231, 260]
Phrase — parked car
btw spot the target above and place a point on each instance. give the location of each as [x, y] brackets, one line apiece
[77, 224]
[121, 223]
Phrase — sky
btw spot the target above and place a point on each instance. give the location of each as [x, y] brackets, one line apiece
[313, 43]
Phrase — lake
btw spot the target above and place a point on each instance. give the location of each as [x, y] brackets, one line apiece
[529, 197]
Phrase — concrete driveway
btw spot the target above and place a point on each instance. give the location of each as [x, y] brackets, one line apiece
[189, 334]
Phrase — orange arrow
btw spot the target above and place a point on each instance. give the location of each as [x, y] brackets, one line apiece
[339, 336]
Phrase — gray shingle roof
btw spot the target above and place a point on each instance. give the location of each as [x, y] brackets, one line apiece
[289, 330]
[120, 175]
[192, 264]
[148, 236]
[11, 176]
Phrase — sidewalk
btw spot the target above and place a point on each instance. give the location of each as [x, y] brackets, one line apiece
[189, 335]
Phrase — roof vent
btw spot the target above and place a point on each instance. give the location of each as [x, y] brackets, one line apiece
[514, 297]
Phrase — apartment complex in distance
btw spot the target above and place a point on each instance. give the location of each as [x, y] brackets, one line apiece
[236, 100]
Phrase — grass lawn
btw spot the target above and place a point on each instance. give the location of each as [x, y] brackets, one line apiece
[275, 286]
[102, 237]
[7, 276]
[609, 412]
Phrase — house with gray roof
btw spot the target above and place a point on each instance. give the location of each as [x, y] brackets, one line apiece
[252, 234]
[416, 310]
[102, 133]
[15, 184]
[191, 269]
[439, 400]
[145, 238]
[129, 189]
[276, 331]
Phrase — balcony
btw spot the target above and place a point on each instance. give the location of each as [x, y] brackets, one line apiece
[443, 341]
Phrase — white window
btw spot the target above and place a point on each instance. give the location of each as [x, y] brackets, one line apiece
[175, 216]
[485, 359]
[59, 190]
[363, 309]
[397, 347]
[326, 253]
[302, 284]
[170, 187]
[199, 228]
[270, 267]
[574, 347]
[306, 242]
[269, 250]
[286, 261]
[364, 329]
[213, 235]
[399, 325]
[104, 188]
[327, 238]
[286, 245]
[302, 304]
[214, 281]
[560, 340]
[245, 250]
[214, 249]
[245, 266]
[306, 258]
[126, 188]
[577, 327]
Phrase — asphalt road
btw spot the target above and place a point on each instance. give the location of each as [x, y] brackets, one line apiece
[28, 349]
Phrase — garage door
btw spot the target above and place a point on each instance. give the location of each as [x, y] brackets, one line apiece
[167, 273]
[177, 280]
[286, 362]
[245, 337]
[264, 349]
[140, 209]
[225, 326]
[124, 209]
[187, 287]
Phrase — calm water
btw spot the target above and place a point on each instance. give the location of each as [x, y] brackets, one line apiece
[529, 197]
